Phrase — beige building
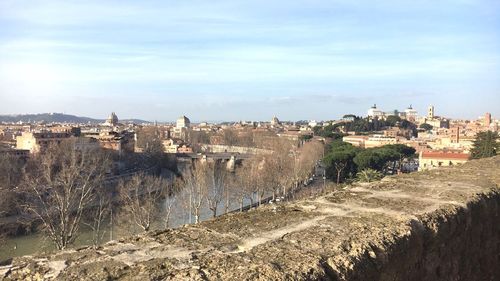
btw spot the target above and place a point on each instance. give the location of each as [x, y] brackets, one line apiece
[379, 140]
[181, 128]
[183, 122]
[171, 146]
[398, 132]
[441, 158]
[38, 142]
[358, 141]
[121, 142]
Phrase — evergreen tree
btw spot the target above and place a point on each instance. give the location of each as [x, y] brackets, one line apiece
[485, 145]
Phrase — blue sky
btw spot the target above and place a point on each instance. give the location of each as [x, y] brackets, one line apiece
[242, 60]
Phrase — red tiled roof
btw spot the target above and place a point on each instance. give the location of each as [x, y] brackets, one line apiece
[445, 155]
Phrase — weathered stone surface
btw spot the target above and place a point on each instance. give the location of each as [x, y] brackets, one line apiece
[434, 225]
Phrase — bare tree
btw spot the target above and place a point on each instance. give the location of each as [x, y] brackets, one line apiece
[256, 177]
[97, 214]
[195, 185]
[168, 207]
[228, 193]
[278, 167]
[305, 160]
[217, 183]
[239, 186]
[170, 201]
[230, 137]
[198, 138]
[247, 182]
[140, 196]
[61, 186]
[11, 168]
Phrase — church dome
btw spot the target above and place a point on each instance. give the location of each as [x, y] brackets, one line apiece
[112, 119]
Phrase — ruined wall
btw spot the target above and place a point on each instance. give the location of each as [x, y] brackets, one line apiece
[449, 244]
[433, 225]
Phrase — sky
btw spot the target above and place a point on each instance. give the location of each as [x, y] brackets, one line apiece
[249, 60]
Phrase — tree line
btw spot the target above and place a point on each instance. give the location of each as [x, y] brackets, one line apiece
[66, 189]
[362, 125]
[344, 161]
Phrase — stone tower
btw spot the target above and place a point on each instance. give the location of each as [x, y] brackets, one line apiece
[487, 119]
[430, 112]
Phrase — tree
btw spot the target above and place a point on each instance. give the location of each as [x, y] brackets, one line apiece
[230, 137]
[140, 196]
[339, 160]
[217, 183]
[241, 188]
[308, 156]
[402, 150]
[97, 214]
[369, 175]
[198, 138]
[426, 127]
[170, 200]
[392, 120]
[329, 131]
[195, 186]
[305, 137]
[375, 158]
[11, 168]
[61, 185]
[154, 153]
[248, 181]
[350, 116]
[278, 169]
[146, 135]
[486, 145]
[149, 139]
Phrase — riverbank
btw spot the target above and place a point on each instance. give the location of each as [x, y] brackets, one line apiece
[408, 227]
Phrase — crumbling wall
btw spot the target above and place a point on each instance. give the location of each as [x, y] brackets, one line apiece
[448, 244]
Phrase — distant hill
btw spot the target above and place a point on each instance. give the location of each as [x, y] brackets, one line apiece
[59, 118]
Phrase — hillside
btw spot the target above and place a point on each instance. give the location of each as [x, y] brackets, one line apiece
[433, 225]
[58, 118]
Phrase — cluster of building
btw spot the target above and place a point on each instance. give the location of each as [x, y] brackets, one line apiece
[442, 142]
[177, 139]
[410, 114]
[25, 139]
[22, 140]
[448, 142]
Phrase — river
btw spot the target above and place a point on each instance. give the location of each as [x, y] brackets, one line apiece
[37, 242]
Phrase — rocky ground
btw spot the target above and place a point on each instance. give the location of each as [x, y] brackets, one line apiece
[379, 231]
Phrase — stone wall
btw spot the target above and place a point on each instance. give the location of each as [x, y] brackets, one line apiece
[434, 225]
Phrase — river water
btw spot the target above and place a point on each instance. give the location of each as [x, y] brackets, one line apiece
[37, 242]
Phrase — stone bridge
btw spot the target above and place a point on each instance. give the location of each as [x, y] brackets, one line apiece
[435, 225]
[214, 148]
[231, 159]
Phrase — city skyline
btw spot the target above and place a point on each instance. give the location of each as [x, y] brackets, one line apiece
[421, 113]
[235, 60]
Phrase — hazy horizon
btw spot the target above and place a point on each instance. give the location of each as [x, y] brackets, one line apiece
[249, 60]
